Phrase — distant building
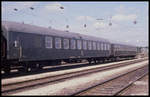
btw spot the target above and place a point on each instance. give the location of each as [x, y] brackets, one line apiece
[144, 50]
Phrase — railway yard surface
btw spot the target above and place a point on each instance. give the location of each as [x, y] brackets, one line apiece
[129, 77]
[139, 87]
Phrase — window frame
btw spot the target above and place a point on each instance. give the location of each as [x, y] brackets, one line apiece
[67, 43]
[98, 46]
[105, 46]
[89, 45]
[84, 44]
[101, 45]
[72, 46]
[94, 45]
[49, 41]
[79, 46]
[108, 46]
[60, 45]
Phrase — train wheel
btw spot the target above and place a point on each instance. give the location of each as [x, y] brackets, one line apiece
[90, 61]
[24, 69]
[95, 61]
[39, 66]
[21, 70]
[33, 67]
[112, 59]
[103, 60]
[7, 70]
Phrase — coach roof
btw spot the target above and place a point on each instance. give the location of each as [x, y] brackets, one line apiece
[28, 28]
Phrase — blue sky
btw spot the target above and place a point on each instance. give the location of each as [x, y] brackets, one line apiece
[96, 16]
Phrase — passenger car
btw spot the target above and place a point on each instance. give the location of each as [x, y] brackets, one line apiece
[28, 46]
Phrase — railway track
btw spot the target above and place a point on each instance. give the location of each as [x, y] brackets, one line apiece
[45, 69]
[51, 68]
[116, 85]
[139, 87]
[10, 88]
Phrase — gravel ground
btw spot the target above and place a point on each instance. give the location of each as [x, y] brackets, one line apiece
[114, 86]
[42, 75]
[140, 87]
[71, 86]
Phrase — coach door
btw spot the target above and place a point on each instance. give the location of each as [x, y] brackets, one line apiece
[17, 50]
[112, 50]
[3, 47]
[79, 47]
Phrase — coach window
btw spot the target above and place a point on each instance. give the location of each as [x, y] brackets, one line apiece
[125, 48]
[94, 45]
[104, 46]
[115, 47]
[89, 45]
[98, 48]
[73, 44]
[66, 43]
[79, 44]
[119, 47]
[85, 45]
[48, 42]
[58, 43]
[108, 46]
[16, 43]
[101, 46]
